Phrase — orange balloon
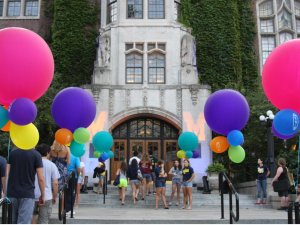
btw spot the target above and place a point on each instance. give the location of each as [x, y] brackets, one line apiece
[6, 128]
[63, 136]
[219, 144]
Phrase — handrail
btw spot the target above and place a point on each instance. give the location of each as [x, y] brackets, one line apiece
[6, 210]
[104, 187]
[63, 194]
[232, 215]
[295, 206]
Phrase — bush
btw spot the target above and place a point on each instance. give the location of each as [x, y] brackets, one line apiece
[216, 167]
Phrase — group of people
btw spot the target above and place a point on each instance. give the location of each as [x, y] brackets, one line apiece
[142, 172]
[34, 179]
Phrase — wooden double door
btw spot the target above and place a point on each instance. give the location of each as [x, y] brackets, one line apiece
[161, 149]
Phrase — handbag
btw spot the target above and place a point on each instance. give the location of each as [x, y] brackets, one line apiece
[281, 185]
[139, 175]
[117, 181]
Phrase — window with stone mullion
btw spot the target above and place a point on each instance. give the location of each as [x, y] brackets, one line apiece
[14, 8]
[135, 9]
[156, 70]
[156, 9]
[134, 68]
[112, 11]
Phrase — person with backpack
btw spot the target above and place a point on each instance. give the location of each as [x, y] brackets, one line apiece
[132, 174]
[122, 173]
[99, 172]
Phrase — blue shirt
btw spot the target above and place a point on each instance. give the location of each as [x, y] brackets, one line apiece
[74, 165]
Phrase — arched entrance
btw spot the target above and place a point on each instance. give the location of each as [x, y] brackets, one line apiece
[144, 135]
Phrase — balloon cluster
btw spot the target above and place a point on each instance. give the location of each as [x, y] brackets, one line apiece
[73, 109]
[188, 142]
[103, 142]
[227, 112]
[281, 83]
[27, 68]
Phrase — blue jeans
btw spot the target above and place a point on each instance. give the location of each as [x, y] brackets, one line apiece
[22, 210]
[261, 187]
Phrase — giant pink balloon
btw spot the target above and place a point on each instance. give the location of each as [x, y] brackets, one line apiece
[26, 65]
[281, 76]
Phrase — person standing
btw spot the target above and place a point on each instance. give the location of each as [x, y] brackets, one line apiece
[146, 168]
[21, 170]
[282, 175]
[99, 172]
[188, 177]
[160, 184]
[176, 172]
[135, 156]
[153, 160]
[122, 172]
[3, 175]
[51, 175]
[80, 182]
[262, 174]
[132, 174]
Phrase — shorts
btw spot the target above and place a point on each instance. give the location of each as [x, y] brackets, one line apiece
[101, 177]
[123, 183]
[135, 182]
[187, 184]
[147, 176]
[176, 181]
[44, 211]
[160, 184]
[80, 180]
[283, 193]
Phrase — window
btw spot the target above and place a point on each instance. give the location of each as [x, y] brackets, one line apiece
[14, 8]
[112, 11]
[1, 7]
[156, 9]
[298, 25]
[267, 26]
[285, 37]
[134, 68]
[151, 46]
[266, 8]
[156, 68]
[177, 10]
[129, 46]
[284, 20]
[268, 44]
[297, 8]
[135, 9]
[139, 47]
[31, 8]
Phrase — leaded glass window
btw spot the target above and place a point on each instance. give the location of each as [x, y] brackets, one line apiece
[31, 8]
[284, 20]
[285, 36]
[156, 68]
[267, 26]
[268, 44]
[135, 9]
[266, 8]
[112, 11]
[156, 9]
[134, 68]
[14, 8]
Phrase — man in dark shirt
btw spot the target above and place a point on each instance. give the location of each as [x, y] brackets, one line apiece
[3, 175]
[22, 167]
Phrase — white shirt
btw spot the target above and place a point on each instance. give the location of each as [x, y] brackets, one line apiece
[134, 157]
[50, 173]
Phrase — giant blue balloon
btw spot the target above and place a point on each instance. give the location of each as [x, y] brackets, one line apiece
[77, 149]
[235, 138]
[3, 117]
[22, 111]
[226, 110]
[104, 156]
[72, 108]
[281, 136]
[188, 141]
[286, 122]
[103, 141]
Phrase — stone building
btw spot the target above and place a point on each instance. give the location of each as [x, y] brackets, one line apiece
[146, 83]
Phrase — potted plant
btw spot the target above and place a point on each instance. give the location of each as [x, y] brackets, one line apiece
[213, 171]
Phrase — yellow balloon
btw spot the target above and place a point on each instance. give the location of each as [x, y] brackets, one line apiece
[24, 137]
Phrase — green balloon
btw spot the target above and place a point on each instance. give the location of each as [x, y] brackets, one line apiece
[97, 154]
[236, 154]
[181, 154]
[81, 135]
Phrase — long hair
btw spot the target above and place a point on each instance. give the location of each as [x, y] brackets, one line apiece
[282, 162]
[134, 164]
[187, 161]
[145, 158]
[57, 147]
[123, 167]
[159, 163]
[179, 166]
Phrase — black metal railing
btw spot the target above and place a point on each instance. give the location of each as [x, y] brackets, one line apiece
[104, 187]
[68, 189]
[6, 210]
[233, 216]
[295, 206]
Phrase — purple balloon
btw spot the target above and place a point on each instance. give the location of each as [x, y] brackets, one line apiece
[196, 154]
[22, 111]
[281, 136]
[73, 108]
[226, 110]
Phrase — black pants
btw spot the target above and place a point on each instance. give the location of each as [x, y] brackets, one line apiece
[71, 194]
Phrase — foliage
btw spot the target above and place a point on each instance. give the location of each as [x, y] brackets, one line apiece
[73, 40]
[216, 167]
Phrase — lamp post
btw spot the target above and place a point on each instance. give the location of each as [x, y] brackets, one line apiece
[268, 120]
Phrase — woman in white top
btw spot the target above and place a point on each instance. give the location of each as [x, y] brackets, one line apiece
[176, 172]
[80, 182]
